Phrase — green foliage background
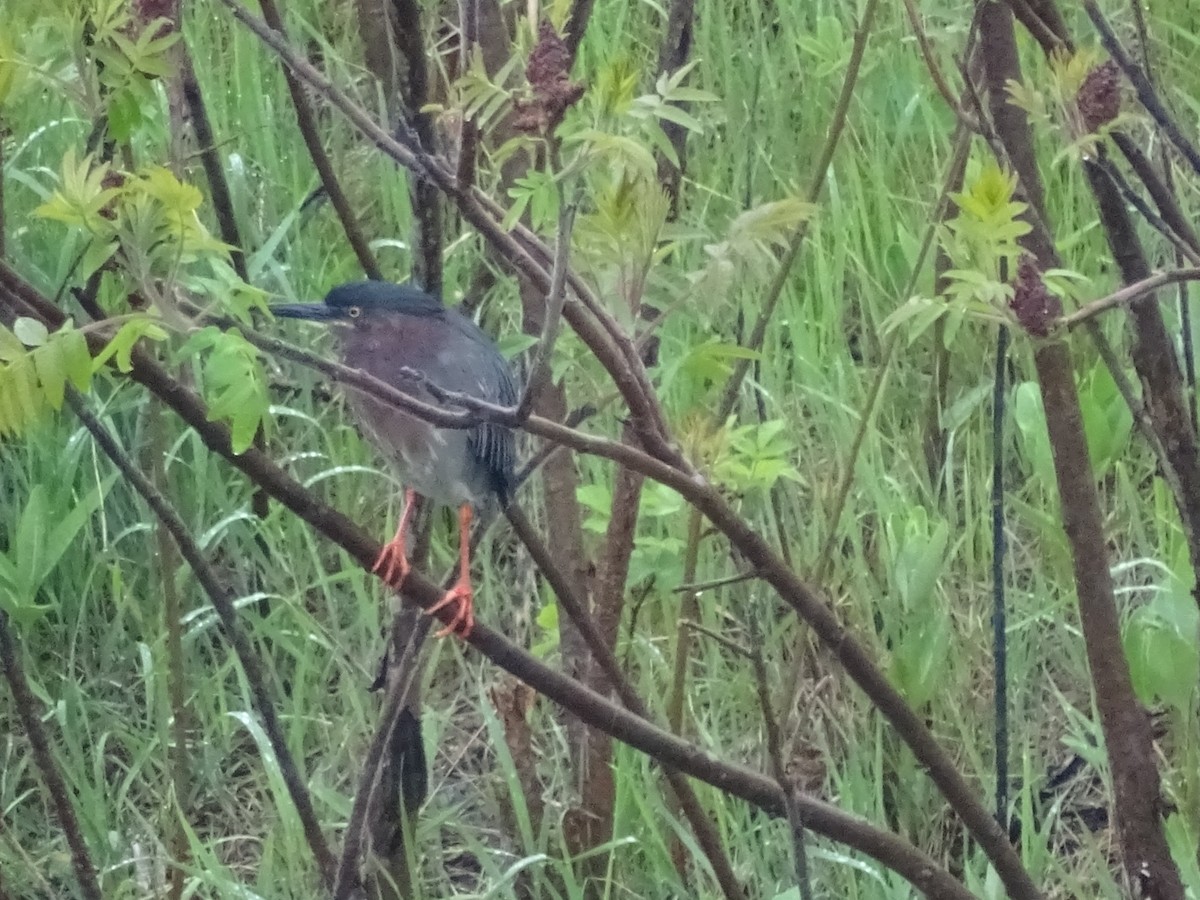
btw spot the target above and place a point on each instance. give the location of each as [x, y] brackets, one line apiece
[79, 572]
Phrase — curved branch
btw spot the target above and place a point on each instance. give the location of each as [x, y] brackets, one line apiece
[692, 485]
[316, 150]
[520, 247]
[664, 747]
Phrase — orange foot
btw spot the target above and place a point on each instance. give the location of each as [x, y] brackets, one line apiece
[392, 564]
[463, 620]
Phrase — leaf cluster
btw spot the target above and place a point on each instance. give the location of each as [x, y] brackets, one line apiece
[1057, 106]
[35, 368]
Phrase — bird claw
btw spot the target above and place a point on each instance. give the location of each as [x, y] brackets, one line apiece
[392, 564]
[463, 621]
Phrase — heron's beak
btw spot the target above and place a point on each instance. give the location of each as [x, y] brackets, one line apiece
[313, 312]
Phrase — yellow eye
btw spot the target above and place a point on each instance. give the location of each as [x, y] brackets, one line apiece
[354, 312]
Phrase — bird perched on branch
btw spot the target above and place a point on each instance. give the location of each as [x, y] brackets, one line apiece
[390, 331]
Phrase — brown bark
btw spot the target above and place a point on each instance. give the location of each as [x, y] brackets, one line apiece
[1126, 726]
[597, 785]
[1155, 361]
[674, 52]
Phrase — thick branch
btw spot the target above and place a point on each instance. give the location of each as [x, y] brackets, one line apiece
[593, 709]
[1125, 724]
[223, 603]
[692, 485]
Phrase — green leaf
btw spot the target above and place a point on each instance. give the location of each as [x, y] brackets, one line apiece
[10, 347]
[51, 367]
[235, 387]
[1163, 663]
[920, 659]
[98, 252]
[122, 343]
[710, 359]
[8, 403]
[918, 314]
[30, 332]
[920, 561]
[514, 344]
[28, 543]
[63, 533]
[1031, 425]
[77, 359]
[1107, 420]
[26, 391]
[81, 195]
[547, 617]
[124, 114]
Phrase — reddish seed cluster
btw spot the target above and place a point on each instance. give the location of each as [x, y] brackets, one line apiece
[1099, 98]
[111, 179]
[147, 11]
[1035, 307]
[548, 74]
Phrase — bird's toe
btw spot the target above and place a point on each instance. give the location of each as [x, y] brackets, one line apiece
[462, 622]
[392, 564]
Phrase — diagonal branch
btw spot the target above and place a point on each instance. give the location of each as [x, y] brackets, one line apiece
[694, 487]
[31, 719]
[223, 603]
[329, 180]
[665, 748]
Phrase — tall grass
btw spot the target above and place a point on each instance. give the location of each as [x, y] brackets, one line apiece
[98, 659]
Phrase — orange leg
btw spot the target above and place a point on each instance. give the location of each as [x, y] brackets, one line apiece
[392, 564]
[461, 593]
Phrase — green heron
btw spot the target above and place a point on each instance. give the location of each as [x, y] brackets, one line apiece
[387, 328]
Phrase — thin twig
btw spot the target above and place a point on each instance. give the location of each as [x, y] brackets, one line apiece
[698, 587]
[935, 70]
[223, 603]
[713, 635]
[1039, 29]
[468, 141]
[316, 150]
[1134, 199]
[1160, 191]
[778, 768]
[837, 125]
[1126, 295]
[1146, 94]
[218, 185]
[27, 707]
[539, 370]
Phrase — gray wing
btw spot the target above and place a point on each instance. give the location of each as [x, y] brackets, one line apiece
[490, 379]
[494, 445]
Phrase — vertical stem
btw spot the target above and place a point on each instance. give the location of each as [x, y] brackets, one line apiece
[1127, 734]
[168, 567]
[3, 220]
[999, 613]
[689, 610]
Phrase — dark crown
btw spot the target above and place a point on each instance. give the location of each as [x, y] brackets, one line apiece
[384, 296]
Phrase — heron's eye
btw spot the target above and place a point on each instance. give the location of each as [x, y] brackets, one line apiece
[354, 312]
